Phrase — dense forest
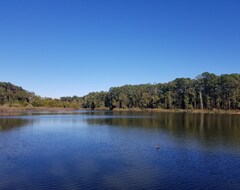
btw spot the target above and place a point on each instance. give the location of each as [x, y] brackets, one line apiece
[14, 95]
[206, 91]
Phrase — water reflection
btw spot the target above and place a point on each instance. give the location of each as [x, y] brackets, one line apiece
[116, 150]
[202, 127]
[7, 124]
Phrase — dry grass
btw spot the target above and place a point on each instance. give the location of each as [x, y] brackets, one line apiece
[214, 111]
[26, 110]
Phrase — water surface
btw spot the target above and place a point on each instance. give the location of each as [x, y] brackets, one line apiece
[116, 150]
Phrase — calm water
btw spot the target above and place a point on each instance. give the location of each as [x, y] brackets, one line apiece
[105, 150]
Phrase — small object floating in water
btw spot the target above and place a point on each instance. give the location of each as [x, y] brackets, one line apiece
[157, 146]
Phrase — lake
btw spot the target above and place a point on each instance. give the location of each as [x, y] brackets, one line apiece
[117, 150]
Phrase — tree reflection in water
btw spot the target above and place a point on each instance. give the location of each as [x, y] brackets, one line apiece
[201, 126]
[12, 123]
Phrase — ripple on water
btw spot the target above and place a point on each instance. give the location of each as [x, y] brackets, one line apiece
[118, 152]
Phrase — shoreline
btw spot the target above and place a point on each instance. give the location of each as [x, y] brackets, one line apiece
[8, 111]
[12, 111]
[215, 111]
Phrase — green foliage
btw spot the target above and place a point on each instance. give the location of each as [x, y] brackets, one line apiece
[207, 91]
[11, 94]
[94, 99]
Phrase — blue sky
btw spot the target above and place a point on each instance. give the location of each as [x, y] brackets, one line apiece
[71, 47]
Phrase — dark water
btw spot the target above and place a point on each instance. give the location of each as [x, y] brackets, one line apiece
[104, 150]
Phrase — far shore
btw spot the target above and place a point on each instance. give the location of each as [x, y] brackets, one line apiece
[214, 111]
[29, 110]
[8, 111]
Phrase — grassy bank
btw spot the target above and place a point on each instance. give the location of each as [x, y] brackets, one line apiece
[214, 111]
[28, 110]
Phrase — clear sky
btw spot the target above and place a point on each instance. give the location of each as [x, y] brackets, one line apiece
[71, 47]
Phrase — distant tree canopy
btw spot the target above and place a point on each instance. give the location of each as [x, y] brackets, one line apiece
[206, 91]
[12, 94]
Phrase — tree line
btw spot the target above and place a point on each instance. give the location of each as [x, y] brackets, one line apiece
[206, 91]
[14, 95]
